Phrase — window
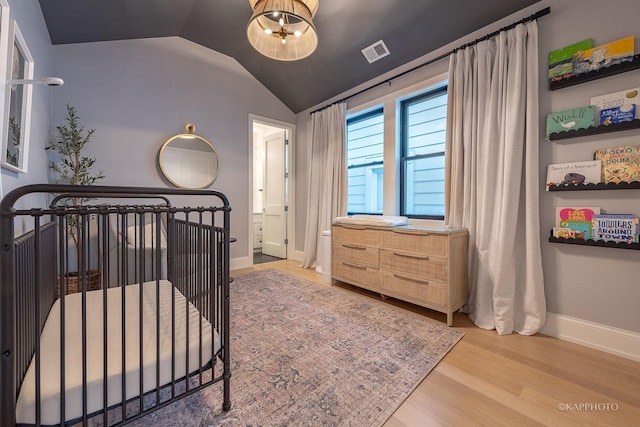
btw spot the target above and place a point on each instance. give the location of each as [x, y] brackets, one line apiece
[365, 144]
[423, 129]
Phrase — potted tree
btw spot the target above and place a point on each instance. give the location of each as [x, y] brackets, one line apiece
[72, 167]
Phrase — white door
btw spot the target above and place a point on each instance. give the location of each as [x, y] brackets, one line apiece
[274, 215]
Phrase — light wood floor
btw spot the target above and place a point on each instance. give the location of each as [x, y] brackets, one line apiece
[513, 380]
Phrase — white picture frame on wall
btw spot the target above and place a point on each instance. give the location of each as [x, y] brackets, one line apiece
[17, 106]
[4, 43]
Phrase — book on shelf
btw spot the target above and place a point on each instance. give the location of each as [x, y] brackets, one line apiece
[619, 164]
[624, 100]
[564, 233]
[561, 60]
[606, 55]
[615, 227]
[577, 219]
[625, 113]
[581, 229]
[574, 173]
[576, 118]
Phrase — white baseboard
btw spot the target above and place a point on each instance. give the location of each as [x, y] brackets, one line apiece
[601, 337]
[246, 262]
[239, 263]
[298, 256]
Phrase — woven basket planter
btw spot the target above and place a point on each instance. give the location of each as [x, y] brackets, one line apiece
[74, 284]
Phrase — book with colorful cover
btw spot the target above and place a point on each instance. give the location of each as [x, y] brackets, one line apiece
[574, 173]
[623, 99]
[578, 219]
[615, 227]
[576, 118]
[620, 164]
[624, 113]
[564, 233]
[561, 60]
[603, 56]
[582, 229]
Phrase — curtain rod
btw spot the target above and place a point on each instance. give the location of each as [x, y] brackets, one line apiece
[536, 15]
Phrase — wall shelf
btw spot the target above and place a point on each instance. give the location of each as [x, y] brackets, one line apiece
[595, 130]
[598, 186]
[601, 243]
[623, 67]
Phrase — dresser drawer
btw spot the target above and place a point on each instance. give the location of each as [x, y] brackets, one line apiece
[358, 275]
[412, 289]
[418, 242]
[356, 235]
[423, 266]
[356, 254]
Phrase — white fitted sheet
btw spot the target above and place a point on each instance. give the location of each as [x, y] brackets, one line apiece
[50, 350]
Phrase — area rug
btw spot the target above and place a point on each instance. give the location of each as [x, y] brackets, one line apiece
[304, 354]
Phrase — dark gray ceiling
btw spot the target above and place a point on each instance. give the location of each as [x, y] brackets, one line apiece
[410, 29]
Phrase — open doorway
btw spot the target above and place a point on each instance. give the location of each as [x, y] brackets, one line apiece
[271, 216]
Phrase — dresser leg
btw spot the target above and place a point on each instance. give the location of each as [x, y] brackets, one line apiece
[449, 318]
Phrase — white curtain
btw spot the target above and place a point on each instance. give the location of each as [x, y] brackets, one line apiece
[493, 186]
[328, 178]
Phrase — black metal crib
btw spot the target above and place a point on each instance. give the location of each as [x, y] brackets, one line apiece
[113, 304]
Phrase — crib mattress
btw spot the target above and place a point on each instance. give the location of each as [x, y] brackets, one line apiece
[95, 354]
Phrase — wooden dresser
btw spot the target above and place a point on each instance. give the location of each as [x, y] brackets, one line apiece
[424, 266]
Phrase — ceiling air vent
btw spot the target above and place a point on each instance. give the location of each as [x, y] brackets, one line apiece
[375, 51]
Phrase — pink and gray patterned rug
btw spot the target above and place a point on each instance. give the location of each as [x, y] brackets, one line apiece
[305, 354]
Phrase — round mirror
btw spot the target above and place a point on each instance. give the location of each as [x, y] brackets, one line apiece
[188, 160]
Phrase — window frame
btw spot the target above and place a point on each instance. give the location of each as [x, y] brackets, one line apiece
[356, 118]
[403, 158]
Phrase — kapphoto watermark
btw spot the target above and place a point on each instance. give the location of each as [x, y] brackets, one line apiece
[589, 407]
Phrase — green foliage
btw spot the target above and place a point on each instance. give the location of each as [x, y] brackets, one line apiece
[73, 168]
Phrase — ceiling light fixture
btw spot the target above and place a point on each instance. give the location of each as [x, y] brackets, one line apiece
[283, 29]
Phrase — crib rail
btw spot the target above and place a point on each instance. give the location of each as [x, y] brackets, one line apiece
[201, 246]
[127, 243]
[35, 277]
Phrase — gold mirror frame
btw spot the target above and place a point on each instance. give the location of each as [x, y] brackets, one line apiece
[200, 174]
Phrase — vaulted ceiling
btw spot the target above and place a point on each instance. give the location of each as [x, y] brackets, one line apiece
[409, 28]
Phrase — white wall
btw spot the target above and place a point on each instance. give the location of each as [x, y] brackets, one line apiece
[139, 93]
[597, 285]
[29, 17]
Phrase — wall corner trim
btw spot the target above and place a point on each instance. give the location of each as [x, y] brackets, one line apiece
[240, 263]
[298, 256]
[594, 335]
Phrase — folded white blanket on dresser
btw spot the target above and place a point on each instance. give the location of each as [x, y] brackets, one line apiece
[374, 220]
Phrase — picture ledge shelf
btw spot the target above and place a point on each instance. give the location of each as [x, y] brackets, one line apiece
[595, 130]
[623, 67]
[590, 242]
[598, 186]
